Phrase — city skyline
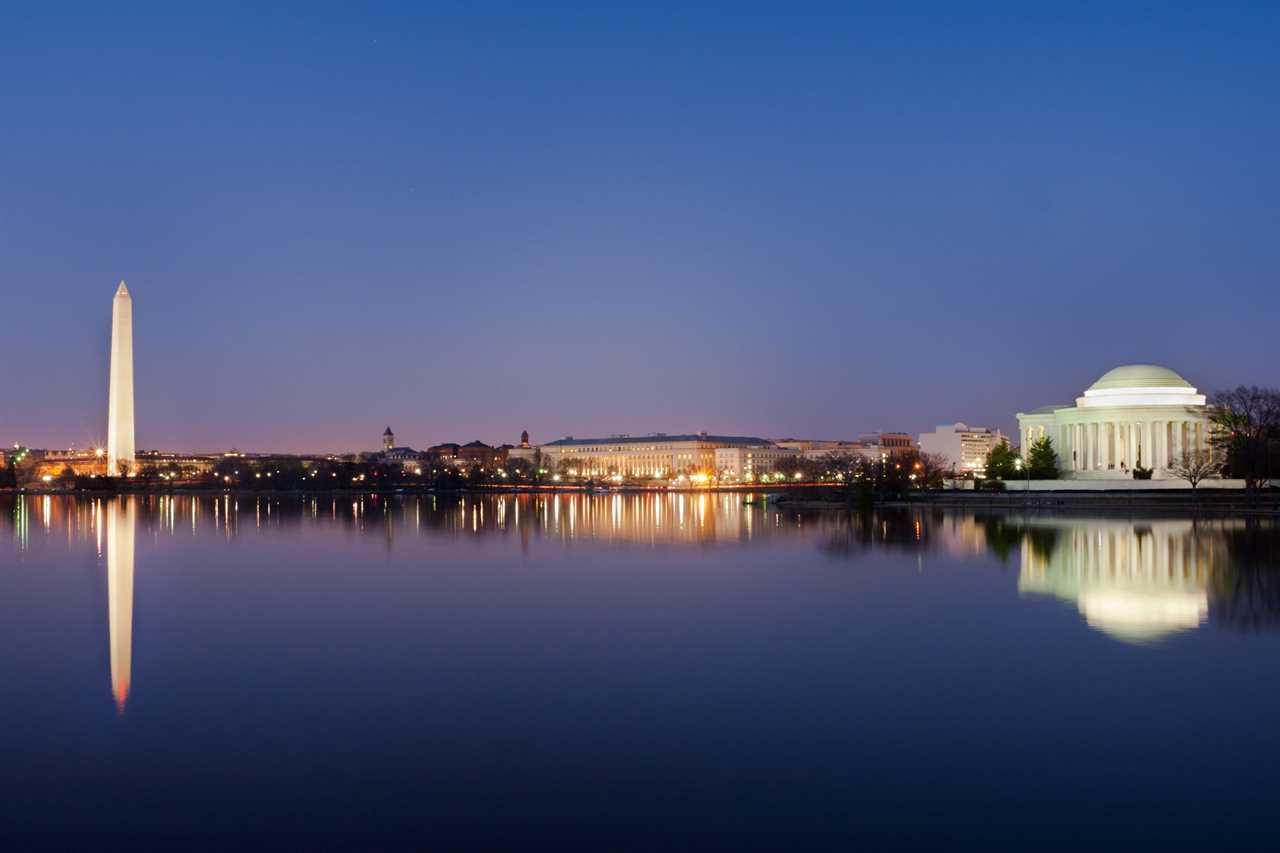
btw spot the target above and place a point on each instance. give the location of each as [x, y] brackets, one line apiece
[119, 445]
[588, 221]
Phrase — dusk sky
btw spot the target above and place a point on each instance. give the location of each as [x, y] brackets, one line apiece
[467, 219]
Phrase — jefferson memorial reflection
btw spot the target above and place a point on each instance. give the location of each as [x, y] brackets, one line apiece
[1138, 581]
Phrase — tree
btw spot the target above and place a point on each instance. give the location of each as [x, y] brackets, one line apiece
[1246, 421]
[810, 470]
[929, 469]
[1196, 465]
[1042, 460]
[21, 466]
[519, 469]
[1000, 464]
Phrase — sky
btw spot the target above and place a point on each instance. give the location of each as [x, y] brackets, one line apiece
[467, 219]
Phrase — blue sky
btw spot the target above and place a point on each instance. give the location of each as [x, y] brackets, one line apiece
[468, 219]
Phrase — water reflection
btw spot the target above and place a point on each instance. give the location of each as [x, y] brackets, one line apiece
[653, 519]
[1139, 581]
[121, 517]
[1136, 580]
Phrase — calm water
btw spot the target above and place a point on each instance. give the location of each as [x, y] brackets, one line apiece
[631, 672]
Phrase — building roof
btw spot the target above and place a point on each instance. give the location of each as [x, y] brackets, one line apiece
[659, 439]
[388, 431]
[1139, 376]
[478, 443]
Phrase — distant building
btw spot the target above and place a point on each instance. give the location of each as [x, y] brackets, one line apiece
[184, 464]
[870, 446]
[896, 443]
[748, 462]
[964, 447]
[807, 446]
[406, 457]
[81, 463]
[469, 454]
[658, 455]
[479, 453]
[446, 452]
[524, 450]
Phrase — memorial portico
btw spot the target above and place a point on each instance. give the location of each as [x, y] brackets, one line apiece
[1135, 415]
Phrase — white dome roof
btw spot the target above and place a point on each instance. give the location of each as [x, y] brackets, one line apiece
[1140, 376]
[1140, 385]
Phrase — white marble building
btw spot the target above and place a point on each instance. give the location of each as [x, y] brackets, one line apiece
[1135, 414]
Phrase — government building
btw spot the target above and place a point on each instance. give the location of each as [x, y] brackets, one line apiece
[1135, 415]
[650, 455]
[965, 448]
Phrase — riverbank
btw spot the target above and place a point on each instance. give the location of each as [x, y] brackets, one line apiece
[503, 489]
[1185, 500]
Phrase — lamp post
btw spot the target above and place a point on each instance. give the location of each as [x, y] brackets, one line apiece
[1017, 463]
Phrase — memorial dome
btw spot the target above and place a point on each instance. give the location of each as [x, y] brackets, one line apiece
[1139, 376]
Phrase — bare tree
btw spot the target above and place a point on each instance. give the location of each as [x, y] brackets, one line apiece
[930, 469]
[1196, 465]
[1246, 421]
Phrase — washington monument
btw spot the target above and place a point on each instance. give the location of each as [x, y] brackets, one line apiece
[120, 399]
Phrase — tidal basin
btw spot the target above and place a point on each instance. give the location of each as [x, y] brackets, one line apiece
[625, 671]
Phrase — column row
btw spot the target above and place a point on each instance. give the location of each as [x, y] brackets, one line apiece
[1113, 445]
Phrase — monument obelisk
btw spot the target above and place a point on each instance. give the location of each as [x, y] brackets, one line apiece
[120, 397]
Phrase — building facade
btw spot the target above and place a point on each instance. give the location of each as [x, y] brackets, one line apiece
[1135, 415]
[523, 450]
[473, 453]
[812, 448]
[896, 443]
[749, 462]
[964, 447]
[870, 446]
[649, 456]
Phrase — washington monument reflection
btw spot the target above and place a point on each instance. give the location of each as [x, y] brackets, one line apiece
[121, 517]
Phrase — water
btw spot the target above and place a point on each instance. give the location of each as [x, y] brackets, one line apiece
[634, 671]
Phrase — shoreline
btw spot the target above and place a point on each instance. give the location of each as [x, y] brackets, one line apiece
[744, 488]
[802, 497]
[1264, 503]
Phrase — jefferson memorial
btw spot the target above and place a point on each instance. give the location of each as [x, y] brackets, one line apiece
[1137, 414]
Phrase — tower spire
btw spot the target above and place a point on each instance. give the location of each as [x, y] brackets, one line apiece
[120, 447]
